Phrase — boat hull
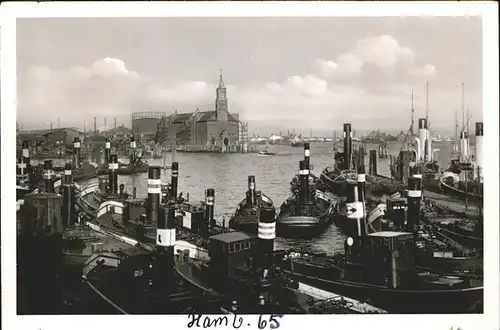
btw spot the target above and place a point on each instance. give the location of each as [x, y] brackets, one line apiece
[403, 301]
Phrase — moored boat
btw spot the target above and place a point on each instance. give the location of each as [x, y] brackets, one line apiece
[307, 213]
[246, 216]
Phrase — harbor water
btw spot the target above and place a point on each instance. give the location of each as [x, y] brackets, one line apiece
[228, 173]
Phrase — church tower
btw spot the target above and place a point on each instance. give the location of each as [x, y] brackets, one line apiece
[221, 101]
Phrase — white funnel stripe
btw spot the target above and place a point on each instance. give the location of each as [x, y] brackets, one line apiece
[415, 193]
[355, 210]
[113, 166]
[307, 152]
[108, 145]
[67, 172]
[22, 165]
[267, 230]
[418, 176]
[361, 177]
[209, 200]
[422, 135]
[165, 237]
[108, 207]
[153, 190]
[154, 181]
[304, 172]
[76, 144]
[132, 144]
[26, 153]
[252, 185]
[175, 173]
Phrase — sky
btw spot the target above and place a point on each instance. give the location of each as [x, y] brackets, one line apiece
[281, 73]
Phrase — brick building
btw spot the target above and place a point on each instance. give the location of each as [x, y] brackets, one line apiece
[218, 127]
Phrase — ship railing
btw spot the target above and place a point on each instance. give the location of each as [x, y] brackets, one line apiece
[110, 206]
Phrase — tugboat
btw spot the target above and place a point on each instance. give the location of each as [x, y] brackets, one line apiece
[136, 164]
[241, 272]
[102, 195]
[383, 268]
[307, 212]
[314, 182]
[39, 250]
[266, 152]
[246, 216]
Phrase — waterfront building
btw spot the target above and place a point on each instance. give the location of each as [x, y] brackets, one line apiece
[217, 127]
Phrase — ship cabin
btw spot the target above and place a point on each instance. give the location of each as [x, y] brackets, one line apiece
[192, 218]
[231, 257]
[389, 256]
[386, 258]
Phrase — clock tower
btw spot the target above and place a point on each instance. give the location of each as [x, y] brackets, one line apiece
[221, 101]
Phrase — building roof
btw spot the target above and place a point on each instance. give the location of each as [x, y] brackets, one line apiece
[205, 116]
[120, 129]
[233, 236]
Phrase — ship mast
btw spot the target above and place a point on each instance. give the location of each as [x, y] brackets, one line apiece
[427, 106]
[463, 109]
[412, 115]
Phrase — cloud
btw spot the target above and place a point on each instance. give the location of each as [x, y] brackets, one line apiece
[369, 85]
[382, 52]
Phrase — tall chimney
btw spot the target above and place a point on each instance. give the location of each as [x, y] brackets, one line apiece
[174, 181]
[76, 152]
[251, 196]
[347, 146]
[414, 197]
[113, 175]
[48, 177]
[422, 136]
[479, 148]
[154, 191]
[69, 200]
[210, 201]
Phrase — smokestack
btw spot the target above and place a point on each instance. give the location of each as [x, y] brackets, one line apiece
[48, 177]
[429, 146]
[113, 176]
[354, 207]
[304, 182]
[154, 192]
[69, 201]
[210, 201]
[464, 151]
[361, 160]
[479, 147]
[76, 152]
[422, 136]
[68, 175]
[107, 151]
[174, 180]
[251, 196]
[132, 143]
[165, 242]
[373, 162]
[361, 191]
[266, 235]
[307, 154]
[414, 197]
[347, 146]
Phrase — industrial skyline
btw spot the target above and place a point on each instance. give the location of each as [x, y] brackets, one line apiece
[281, 73]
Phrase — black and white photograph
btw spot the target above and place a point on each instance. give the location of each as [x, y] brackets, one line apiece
[239, 168]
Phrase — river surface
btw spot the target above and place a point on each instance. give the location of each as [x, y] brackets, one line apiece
[228, 174]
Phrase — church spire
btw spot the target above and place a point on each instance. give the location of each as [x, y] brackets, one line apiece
[221, 82]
